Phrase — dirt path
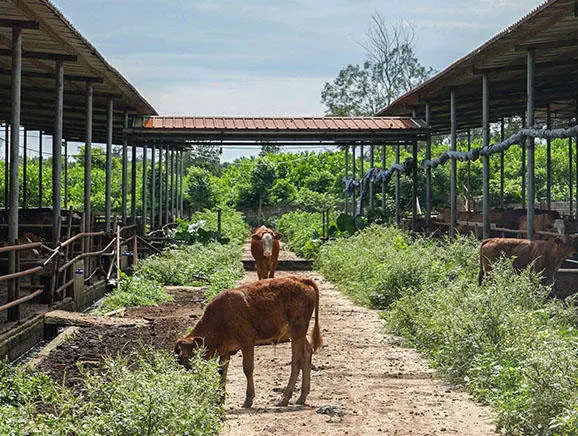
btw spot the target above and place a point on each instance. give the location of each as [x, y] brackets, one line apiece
[364, 381]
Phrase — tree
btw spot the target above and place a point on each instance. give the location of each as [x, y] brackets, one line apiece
[270, 149]
[199, 189]
[391, 69]
[262, 178]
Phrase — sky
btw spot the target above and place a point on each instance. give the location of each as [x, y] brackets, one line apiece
[267, 57]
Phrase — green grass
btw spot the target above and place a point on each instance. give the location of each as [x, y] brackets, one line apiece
[151, 395]
[301, 231]
[506, 342]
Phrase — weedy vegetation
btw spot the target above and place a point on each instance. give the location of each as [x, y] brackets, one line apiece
[507, 342]
[150, 393]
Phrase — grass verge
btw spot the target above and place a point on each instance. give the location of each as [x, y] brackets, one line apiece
[506, 342]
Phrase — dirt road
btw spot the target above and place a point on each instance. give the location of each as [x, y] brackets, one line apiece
[363, 381]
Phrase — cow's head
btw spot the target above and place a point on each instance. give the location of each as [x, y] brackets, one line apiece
[186, 347]
[565, 245]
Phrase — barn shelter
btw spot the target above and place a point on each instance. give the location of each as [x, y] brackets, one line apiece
[527, 71]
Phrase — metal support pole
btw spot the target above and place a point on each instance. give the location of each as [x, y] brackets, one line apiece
[346, 177]
[548, 160]
[153, 185]
[354, 174]
[108, 187]
[502, 164]
[57, 156]
[428, 193]
[88, 160]
[124, 177]
[361, 174]
[414, 214]
[570, 177]
[523, 167]
[182, 189]
[25, 169]
[13, 224]
[172, 186]
[383, 186]
[453, 175]
[6, 165]
[530, 145]
[371, 165]
[166, 195]
[397, 188]
[161, 188]
[469, 164]
[65, 174]
[133, 184]
[144, 187]
[40, 168]
[576, 139]
[486, 158]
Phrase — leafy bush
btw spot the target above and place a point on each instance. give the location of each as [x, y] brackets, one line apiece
[302, 232]
[196, 233]
[132, 291]
[233, 225]
[214, 264]
[506, 342]
[151, 395]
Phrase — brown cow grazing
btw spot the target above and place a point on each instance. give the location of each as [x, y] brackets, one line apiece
[544, 256]
[265, 250]
[543, 222]
[237, 318]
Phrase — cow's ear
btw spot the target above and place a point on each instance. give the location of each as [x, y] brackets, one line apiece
[255, 237]
[278, 236]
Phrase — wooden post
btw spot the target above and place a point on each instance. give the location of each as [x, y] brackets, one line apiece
[13, 223]
[117, 254]
[453, 175]
[414, 187]
[523, 167]
[65, 142]
[88, 161]
[530, 144]
[486, 158]
[576, 138]
[6, 164]
[570, 177]
[57, 155]
[134, 249]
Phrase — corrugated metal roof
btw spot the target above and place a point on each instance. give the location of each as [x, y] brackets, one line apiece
[277, 124]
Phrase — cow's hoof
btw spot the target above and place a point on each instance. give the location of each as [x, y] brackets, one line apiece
[283, 403]
[248, 403]
[301, 400]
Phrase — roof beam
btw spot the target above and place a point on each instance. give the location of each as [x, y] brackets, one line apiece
[39, 75]
[518, 67]
[548, 44]
[22, 24]
[41, 55]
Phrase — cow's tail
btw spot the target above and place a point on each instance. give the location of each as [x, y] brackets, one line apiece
[317, 340]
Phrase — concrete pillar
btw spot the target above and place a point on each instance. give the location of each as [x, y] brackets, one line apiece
[167, 181]
[383, 186]
[153, 185]
[13, 224]
[486, 158]
[57, 153]
[502, 165]
[530, 144]
[371, 165]
[428, 179]
[25, 169]
[88, 160]
[346, 177]
[397, 188]
[161, 186]
[40, 168]
[548, 160]
[453, 174]
[124, 177]
[144, 186]
[133, 184]
[108, 183]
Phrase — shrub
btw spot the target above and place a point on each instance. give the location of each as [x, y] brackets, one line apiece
[134, 291]
[301, 231]
[233, 225]
[152, 394]
[507, 342]
[214, 264]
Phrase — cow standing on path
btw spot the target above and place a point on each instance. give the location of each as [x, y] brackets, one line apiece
[544, 256]
[265, 310]
[265, 250]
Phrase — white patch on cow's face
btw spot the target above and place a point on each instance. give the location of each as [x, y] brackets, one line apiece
[267, 240]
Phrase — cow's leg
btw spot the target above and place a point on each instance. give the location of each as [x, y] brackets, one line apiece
[306, 372]
[261, 272]
[248, 365]
[296, 364]
[224, 362]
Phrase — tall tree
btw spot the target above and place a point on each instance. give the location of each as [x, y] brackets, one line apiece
[391, 69]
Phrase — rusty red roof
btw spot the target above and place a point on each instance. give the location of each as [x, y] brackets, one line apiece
[276, 123]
